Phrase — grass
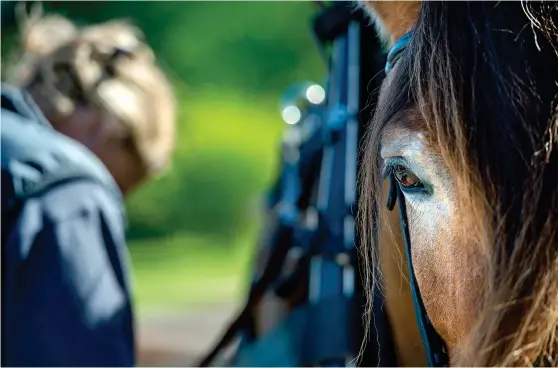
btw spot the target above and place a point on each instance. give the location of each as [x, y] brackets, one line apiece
[187, 270]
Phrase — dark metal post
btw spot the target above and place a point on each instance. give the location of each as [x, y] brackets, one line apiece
[332, 270]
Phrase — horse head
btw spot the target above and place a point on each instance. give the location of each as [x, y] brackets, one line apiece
[466, 130]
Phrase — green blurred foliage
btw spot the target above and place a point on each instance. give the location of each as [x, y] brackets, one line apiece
[254, 47]
[224, 158]
[229, 62]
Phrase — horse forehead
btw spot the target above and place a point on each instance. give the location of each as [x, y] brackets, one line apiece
[403, 128]
[401, 138]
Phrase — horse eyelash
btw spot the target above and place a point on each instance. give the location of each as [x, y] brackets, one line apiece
[387, 170]
[389, 167]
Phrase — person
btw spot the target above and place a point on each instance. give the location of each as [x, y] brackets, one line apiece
[87, 117]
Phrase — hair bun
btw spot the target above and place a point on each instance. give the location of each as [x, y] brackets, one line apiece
[118, 37]
[45, 35]
[108, 66]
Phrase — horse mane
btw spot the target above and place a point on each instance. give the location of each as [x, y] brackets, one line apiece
[484, 77]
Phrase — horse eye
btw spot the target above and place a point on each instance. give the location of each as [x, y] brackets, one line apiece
[406, 178]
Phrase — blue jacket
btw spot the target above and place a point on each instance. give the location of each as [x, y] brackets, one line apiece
[65, 288]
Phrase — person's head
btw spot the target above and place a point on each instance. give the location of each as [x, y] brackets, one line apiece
[100, 85]
[467, 124]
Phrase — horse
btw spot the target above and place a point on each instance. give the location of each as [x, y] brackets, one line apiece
[464, 138]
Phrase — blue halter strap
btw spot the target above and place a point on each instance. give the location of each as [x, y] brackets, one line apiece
[397, 49]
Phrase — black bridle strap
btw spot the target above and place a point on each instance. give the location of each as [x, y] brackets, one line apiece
[434, 346]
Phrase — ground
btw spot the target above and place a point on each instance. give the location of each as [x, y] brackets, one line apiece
[186, 290]
[180, 338]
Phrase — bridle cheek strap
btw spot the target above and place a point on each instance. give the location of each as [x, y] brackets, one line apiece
[434, 346]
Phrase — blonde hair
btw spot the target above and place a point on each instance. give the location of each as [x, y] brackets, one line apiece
[107, 66]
